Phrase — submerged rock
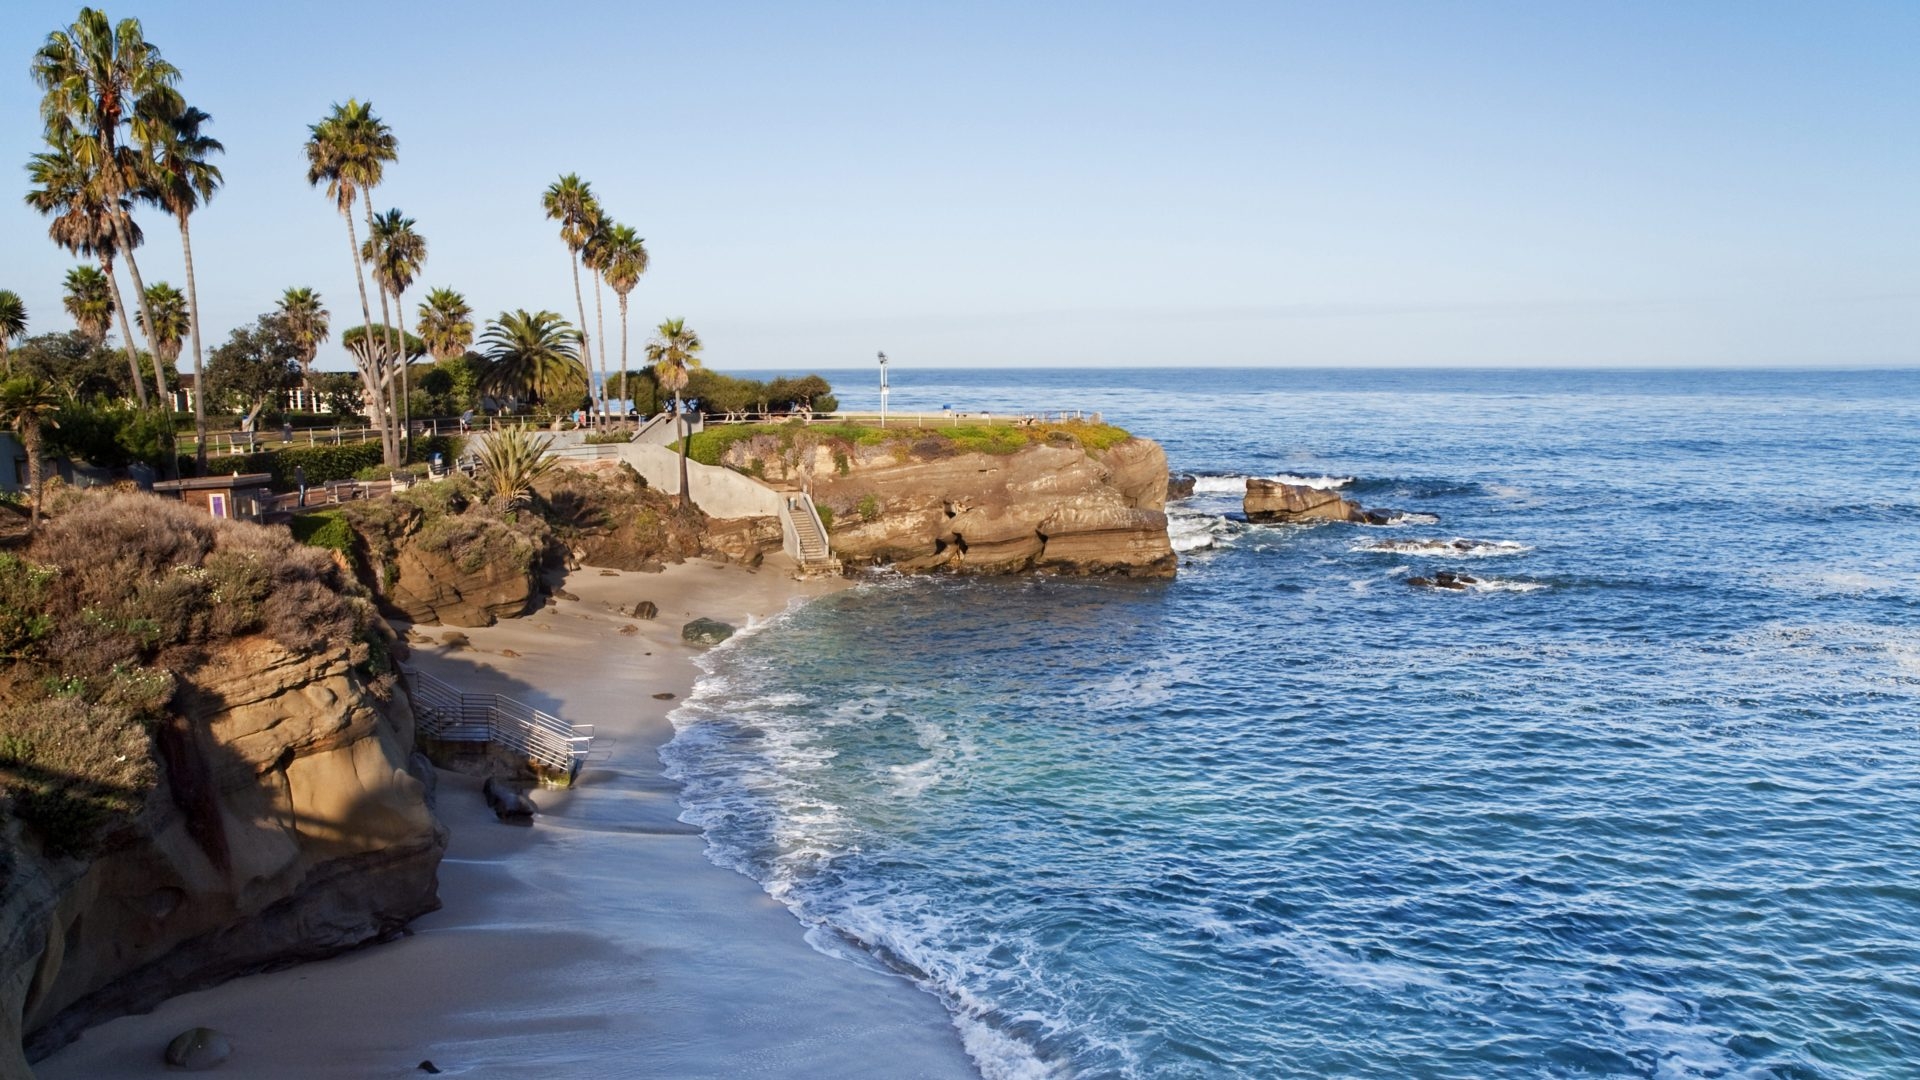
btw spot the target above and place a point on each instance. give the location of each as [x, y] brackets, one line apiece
[706, 632]
[198, 1049]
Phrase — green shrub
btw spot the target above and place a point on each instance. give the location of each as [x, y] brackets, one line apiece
[605, 438]
[826, 516]
[325, 529]
[321, 463]
[869, 508]
[74, 769]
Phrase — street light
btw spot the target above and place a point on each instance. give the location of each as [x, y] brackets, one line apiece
[883, 389]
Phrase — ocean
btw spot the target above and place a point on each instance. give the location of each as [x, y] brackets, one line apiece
[1643, 802]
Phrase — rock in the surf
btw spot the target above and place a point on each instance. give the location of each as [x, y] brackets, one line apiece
[1271, 500]
[706, 632]
[1445, 579]
[1179, 486]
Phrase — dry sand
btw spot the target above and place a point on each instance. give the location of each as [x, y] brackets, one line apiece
[600, 942]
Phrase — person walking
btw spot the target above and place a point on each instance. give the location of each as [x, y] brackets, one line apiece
[300, 481]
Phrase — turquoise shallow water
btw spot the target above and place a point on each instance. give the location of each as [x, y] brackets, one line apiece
[1643, 805]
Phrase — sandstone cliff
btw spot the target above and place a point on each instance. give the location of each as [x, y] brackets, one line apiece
[271, 819]
[921, 502]
[437, 553]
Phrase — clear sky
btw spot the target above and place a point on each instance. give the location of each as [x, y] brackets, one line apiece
[1102, 184]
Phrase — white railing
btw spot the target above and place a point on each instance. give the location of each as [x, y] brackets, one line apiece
[442, 711]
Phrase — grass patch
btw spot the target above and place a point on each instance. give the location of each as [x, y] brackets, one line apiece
[710, 447]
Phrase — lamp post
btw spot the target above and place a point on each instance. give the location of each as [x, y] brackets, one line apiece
[883, 389]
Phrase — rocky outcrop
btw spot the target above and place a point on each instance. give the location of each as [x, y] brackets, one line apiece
[437, 553]
[1180, 486]
[747, 540]
[920, 503]
[1271, 500]
[606, 515]
[285, 827]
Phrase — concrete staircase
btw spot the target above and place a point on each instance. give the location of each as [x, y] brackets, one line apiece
[805, 537]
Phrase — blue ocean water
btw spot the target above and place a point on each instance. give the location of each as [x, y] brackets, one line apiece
[1645, 803]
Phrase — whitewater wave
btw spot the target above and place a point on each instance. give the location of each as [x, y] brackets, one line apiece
[1191, 531]
[1237, 485]
[1684, 1046]
[1397, 518]
[1457, 547]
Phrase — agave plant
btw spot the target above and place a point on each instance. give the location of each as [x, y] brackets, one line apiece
[510, 461]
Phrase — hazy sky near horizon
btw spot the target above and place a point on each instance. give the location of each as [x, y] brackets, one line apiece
[1088, 184]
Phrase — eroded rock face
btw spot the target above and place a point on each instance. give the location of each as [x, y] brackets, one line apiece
[1270, 500]
[1053, 506]
[434, 587]
[286, 827]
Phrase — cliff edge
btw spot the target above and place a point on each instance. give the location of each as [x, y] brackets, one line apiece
[219, 783]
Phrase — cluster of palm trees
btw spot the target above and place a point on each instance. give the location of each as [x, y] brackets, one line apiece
[613, 253]
[119, 134]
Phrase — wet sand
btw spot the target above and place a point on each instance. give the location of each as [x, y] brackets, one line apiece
[600, 942]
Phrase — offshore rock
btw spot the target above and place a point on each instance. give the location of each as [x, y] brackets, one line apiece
[1271, 500]
[286, 827]
[1180, 486]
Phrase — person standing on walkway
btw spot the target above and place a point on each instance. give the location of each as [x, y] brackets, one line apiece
[300, 481]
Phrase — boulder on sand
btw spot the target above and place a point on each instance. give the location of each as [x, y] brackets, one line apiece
[1271, 500]
[198, 1049]
[645, 609]
[507, 803]
[706, 632]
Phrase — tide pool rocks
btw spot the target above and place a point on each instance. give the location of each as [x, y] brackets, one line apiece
[1271, 500]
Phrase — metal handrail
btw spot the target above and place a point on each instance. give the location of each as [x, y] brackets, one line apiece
[443, 711]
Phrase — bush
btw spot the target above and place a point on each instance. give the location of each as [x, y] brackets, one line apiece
[321, 463]
[324, 529]
[73, 769]
[869, 508]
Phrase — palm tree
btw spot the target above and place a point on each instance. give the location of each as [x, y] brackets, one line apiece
[594, 254]
[82, 223]
[446, 324]
[395, 251]
[90, 302]
[26, 405]
[96, 77]
[180, 180]
[348, 151]
[13, 324]
[674, 350]
[626, 260]
[533, 354]
[306, 321]
[569, 200]
[171, 320]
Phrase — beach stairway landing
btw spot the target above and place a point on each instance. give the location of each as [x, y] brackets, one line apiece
[804, 536]
[442, 712]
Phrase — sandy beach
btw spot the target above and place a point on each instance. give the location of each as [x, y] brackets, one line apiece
[600, 942]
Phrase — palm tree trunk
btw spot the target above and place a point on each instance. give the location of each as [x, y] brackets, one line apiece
[126, 331]
[199, 367]
[586, 350]
[600, 317]
[389, 427]
[403, 408]
[369, 372]
[30, 438]
[626, 392]
[146, 314]
[686, 441]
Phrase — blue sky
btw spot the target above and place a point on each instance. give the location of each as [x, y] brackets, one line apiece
[1101, 184]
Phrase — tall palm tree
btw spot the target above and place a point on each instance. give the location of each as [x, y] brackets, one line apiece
[83, 223]
[96, 76]
[533, 354]
[569, 200]
[171, 320]
[306, 321]
[626, 260]
[674, 351]
[180, 180]
[594, 254]
[90, 302]
[26, 405]
[395, 251]
[446, 324]
[13, 324]
[348, 151]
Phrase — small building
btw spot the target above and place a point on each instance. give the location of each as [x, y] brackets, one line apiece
[240, 497]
